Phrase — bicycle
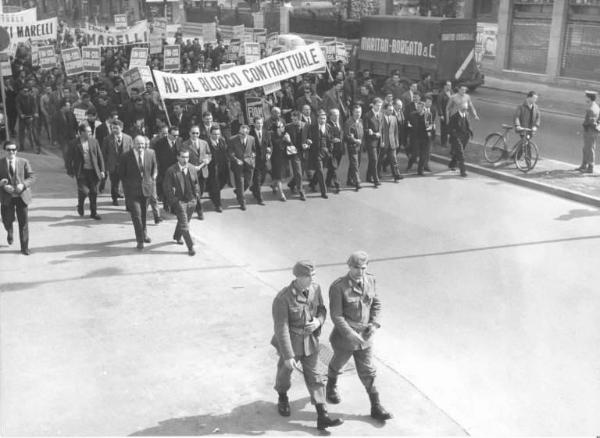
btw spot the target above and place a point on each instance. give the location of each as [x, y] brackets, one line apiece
[524, 152]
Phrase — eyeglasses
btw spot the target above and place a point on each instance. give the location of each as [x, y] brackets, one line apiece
[11, 149]
[195, 133]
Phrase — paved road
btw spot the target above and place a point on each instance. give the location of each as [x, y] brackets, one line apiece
[490, 299]
[559, 137]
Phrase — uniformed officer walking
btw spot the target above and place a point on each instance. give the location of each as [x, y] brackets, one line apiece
[298, 315]
[355, 307]
[591, 126]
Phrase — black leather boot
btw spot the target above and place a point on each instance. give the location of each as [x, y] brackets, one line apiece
[283, 405]
[378, 412]
[323, 419]
[331, 391]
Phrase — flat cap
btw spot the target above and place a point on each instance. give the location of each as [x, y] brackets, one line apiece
[304, 268]
[590, 93]
[358, 259]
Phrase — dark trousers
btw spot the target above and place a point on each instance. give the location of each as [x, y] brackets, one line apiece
[29, 125]
[458, 154]
[202, 185]
[258, 178]
[312, 378]
[422, 151]
[184, 211]
[372, 175]
[319, 176]
[87, 186]
[115, 179]
[137, 207]
[445, 132]
[389, 156]
[332, 165]
[353, 167]
[296, 181]
[242, 176]
[8, 211]
[217, 178]
[363, 360]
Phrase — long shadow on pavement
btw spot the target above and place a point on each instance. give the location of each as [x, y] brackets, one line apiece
[578, 213]
[250, 419]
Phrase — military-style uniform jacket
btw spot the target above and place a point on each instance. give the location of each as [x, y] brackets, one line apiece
[352, 309]
[291, 311]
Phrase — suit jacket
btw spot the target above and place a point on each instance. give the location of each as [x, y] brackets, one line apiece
[74, 159]
[23, 175]
[199, 155]
[263, 146]
[352, 310]
[336, 132]
[205, 133]
[460, 131]
[355, 141]
[402, 127]
[136, 182]
[321, 146]
[110, 151]
[373, 123]
[418, 131]
[166, 155]
[174, 184]
[219, 152]
[390, 137]
[237, 151]
[102, 131]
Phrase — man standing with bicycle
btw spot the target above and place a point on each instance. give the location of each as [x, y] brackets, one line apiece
[528, 114]
[591, 125]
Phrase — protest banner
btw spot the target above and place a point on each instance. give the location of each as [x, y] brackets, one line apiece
[72, 60]
[137, 78]
[79, 114]
[37, 30]
[138, 33]
[172, 58]
[121, 21]
[251, 52]
[18, 18]
[47, 57]
[139, 57]
[272, 88]
[239, 78]
[91, 59]
[254, 107]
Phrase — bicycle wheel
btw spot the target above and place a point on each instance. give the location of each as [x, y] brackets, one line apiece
[526, 155]
[494, 148]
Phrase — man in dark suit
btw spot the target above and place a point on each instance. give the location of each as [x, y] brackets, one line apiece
[298, 133]
[181, 190]
[200, 157]
[402, 124]
[16, 178]
[218, 168]
[114, 146]
[179, 118]
[390, 141]
[85, 163]
[319, 157]
[138, 171]
[262, 142]
[335, 129]
[419, 134]
[442, 103]
[207, 124]
[242, 155]
[354, 137]
[165, 150]
[372, 126]
[460, 132]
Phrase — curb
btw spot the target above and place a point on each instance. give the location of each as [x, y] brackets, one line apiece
[543, 110]
[542, 187]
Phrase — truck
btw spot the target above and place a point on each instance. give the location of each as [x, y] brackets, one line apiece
[414, 46]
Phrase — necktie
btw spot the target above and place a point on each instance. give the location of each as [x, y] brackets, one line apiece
[120, 145]
[259, 135]
[308, 120]
[305, 293]
[140, 162]
[11, 169]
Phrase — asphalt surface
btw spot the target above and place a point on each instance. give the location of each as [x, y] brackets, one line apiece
[489, 327]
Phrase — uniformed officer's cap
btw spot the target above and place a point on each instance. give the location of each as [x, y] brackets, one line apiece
[358, 259]
[304, 268]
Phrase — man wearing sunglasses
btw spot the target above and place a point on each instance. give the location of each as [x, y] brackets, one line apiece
[16, 178]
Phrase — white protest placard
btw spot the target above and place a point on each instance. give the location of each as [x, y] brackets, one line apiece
[341, 54]
[5, 68]
[91, 59]
[137, 78]
[251, 52]
[260, 35]
[139, 57]
[272, 88]
[254, 107]
[121, 21]
[172, 58]
[239, 78]
[79, 114]
[158, 31]
[47, 57]
[72, 60]
[209, 32]
[330, 48]
[248, 36]
[233, 50]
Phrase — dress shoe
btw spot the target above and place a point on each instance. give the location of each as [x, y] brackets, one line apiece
[9, 237]
[336, 189]
[26, 251]
[115, 202]
[243, 207]
[177, 240]
[357, 188]
[302, 197]
[377, 183]
[427, 169]
[147, 240]
[158, 220]
[140, 246]
[80, 210]
[463, 174]
[261, 202]
[219, 209]
[420, 173]
[324, 196]
[282, 198]
[95, 216]
[120, 196]
[191, 252]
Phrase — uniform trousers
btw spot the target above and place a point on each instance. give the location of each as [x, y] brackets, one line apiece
[589, 146]
[312, 378]
[8, 211]
[87, 186]
[183, 211]
[363, 359]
